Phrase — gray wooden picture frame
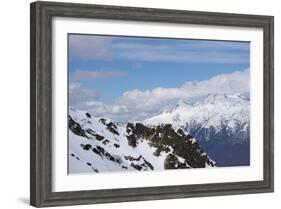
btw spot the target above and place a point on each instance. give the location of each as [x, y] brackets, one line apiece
[41, 15]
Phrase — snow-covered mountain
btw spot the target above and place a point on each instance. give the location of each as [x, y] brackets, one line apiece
[220, 123]
[102, 145]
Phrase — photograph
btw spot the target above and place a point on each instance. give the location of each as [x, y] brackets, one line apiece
[136, 103]
[156, 103]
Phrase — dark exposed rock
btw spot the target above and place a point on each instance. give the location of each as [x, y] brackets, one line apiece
[96, 151]
[109, 126]
[116, 145]
[76, 128]
[137, 167]
[148, 164]
[136, 163]
[164, 137]
[94, 134]
[101, 150]
[102, 120]
[118, 160]
[91, 132]
[172, 162]
[99, 137]
[86, 146]
[89, 164]
[188, 136]
[109, 156]
[160, 149]
[167, 149]
[130, 127]
[88, 115]
[180, 132]
[105, 142]
[112, 128]
[132, 140]
[132, 158]
[137, 131]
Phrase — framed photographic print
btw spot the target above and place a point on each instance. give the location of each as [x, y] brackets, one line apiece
[132, 104]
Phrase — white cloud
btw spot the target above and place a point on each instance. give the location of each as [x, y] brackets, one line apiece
[79, 94]
[236, 82]
[137, 104]
[93, 75]
[224, 83]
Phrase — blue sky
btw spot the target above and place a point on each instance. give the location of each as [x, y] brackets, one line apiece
[104, 68]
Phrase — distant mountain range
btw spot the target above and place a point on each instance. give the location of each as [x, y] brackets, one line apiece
[220, 123]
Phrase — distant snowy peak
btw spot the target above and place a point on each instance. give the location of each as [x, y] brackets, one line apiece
[215, 110]
[219, 122]
[224, 98]
[181, 105]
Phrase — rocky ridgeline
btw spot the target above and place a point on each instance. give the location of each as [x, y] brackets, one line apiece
[123, 147]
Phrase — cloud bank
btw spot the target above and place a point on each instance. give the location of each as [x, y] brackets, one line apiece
[137, 104]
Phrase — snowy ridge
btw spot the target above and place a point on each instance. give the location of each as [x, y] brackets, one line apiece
[101, 145]
[215, 110]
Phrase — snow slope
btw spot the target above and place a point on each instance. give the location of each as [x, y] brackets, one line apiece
[101, 145]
